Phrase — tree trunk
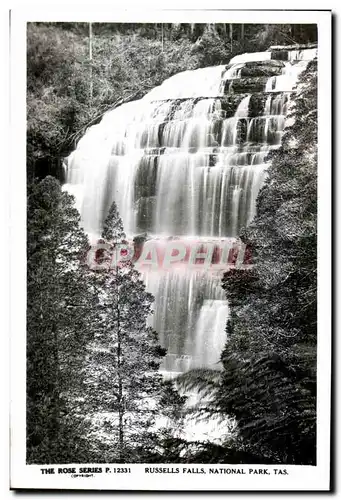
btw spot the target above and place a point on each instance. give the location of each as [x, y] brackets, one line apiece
[90, 59]
[120, 402]
[56, 389]
[120, 386]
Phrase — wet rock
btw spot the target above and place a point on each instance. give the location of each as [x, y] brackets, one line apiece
[262, 68]
[145, 179]
[145, 208]
[256, 105]
[282, 55]
[246, 85]
[229, 104]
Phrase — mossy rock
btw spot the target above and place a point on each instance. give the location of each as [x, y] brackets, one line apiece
[246, 85]
[229, 103]
[260, 70]
[212, 160]
[145, 179]
[145, 208]
[257, 104]
[280, 55]
[242, 130]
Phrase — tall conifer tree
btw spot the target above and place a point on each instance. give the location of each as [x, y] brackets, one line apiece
[60, 322]
[124, 383]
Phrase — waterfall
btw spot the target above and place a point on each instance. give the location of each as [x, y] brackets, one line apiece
[188, 161]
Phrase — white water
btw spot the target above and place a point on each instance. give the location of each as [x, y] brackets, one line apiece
[186, 160]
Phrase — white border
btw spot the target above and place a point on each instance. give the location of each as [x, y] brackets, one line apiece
[300, 477]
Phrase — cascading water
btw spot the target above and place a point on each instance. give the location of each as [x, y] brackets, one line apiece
[188, 160]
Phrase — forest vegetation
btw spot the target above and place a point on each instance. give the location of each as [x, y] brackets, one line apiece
[89, 329]
[73, 78]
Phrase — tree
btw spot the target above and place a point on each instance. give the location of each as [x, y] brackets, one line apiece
[113, 226]
[60, 322]
[269, 379]
[213, 49]
[268, 382]
[58, 114]
[69, 65]
[123, 379]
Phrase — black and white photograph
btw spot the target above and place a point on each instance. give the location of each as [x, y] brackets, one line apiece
[174, 331]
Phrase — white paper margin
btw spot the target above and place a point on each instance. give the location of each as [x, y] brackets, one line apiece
[300, 478]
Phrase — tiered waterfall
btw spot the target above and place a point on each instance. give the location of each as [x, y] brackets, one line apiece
[188, 161]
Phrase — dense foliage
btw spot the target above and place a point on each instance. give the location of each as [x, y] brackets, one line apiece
[269, 377]
[124, 385]
[89, 348]
[61, 309]
[94, 388]
[75, 74]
